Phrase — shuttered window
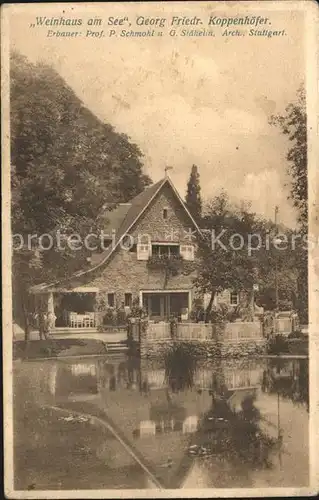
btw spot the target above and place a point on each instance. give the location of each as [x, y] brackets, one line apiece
[143, 251]
[187, 252]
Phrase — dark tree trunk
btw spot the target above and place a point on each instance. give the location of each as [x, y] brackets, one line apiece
[251, 305]
[209, 306]
[27, 327]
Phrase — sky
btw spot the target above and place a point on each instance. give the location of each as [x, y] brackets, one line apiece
[187, 100]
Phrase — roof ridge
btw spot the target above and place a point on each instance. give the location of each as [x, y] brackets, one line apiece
[139, 197]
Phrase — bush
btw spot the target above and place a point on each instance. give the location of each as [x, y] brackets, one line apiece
[232, 315]
[109, 318]
[285, 305]
[219, 314]
[296, 335]
[121, 317]
[137, 311]
[198, 312]
[277, 345]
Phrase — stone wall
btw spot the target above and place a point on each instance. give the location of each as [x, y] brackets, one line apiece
[205, 348]
[243, 330]
[217, 346]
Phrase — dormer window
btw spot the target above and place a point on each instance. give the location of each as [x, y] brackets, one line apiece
[165, 213]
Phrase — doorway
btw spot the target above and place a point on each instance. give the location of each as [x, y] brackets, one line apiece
[160, 306]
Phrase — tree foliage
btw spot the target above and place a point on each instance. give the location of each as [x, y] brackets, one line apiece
[237, 251]
[193, 195]
[293, 124]
[222, 267]
[66, 163]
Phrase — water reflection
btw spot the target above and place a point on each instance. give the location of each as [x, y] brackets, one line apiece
[236, 435]
[231, 420]
[288, 378]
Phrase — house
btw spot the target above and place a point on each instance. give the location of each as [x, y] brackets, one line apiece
[150, 248]
[230, 298]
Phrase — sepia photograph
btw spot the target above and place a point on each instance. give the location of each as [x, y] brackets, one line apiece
[159, 221]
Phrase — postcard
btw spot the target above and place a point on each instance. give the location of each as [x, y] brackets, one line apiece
[160, 248]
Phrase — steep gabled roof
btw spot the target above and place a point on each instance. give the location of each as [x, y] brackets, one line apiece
[135, 210]
[137, 207]
[131, 213]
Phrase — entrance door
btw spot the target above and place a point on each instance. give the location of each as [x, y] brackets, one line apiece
[156, 305]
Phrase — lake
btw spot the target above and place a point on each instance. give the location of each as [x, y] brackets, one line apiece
[118, 422]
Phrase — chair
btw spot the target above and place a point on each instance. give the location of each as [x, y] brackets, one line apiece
[90, 319]
[86, 321]
[80, 320]
[73, 319]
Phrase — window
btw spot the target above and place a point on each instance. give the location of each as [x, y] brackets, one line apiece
[187, 252]
[161, 250]
[165, 213]
[110, 299]
[128, 300]
[107, 242]
[143, 251]
[234, 298]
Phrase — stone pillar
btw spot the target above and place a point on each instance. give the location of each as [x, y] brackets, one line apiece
[173, 328]
[143, 326]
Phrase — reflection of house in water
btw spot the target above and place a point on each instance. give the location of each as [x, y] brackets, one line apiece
[232, 377]
[164, 427]
[190, 424]
[158, 423]
[75, 380]
[155, 378]
[233, 383]
[162, 423]
[93, 377]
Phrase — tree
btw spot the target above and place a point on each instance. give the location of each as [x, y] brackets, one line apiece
[287, 289]
[237, 251]
[293, 124]
[277, 268]
[66, 164]
[193, 196]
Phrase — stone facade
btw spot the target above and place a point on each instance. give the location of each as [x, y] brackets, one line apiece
[124, 273]
[209, 348]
